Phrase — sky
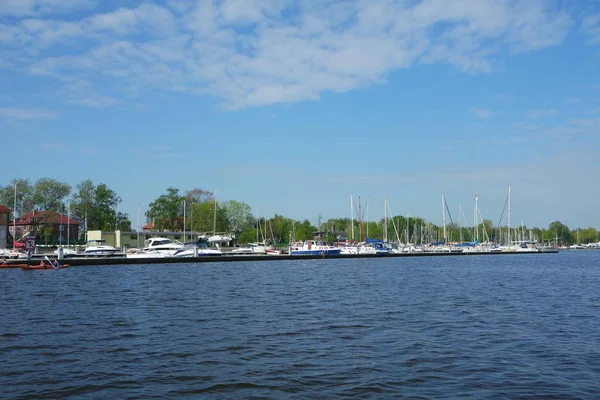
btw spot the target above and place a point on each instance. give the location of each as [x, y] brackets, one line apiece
[297, 107]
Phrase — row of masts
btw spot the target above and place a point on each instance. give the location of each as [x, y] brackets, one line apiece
[508, 234]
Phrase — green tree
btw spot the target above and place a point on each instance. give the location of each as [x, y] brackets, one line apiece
[96, 207]
[303, 230]
[166, 212]
[50, 194]
[82, 203]
[239, 216]
[558, 230]
[24, 196]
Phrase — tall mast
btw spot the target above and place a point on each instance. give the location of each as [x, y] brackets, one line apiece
[215, 215]
[352, 216]
[15, 219]
[509, 233]
[68, 222]
[407, 226]
[359, 221]
[444, 216]
[385, 220]
[475, 219]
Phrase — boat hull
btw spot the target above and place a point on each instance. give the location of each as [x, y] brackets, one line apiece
[35, 267]
[325, 252]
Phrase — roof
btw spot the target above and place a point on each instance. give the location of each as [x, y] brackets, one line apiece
[4, 209]
[45, 217]
[149, 225]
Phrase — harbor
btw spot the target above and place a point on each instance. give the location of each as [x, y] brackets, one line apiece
[122, 259]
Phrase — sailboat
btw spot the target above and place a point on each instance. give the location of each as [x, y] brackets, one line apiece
[577, 246]
[218, 238]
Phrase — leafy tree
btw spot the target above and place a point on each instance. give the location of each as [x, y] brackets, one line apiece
[82, 202]
[561, 231]
[24, 196]
[239, 216]
[303, 230]
[198, 196]
[166, 212]
[49, 194]
[96, 207]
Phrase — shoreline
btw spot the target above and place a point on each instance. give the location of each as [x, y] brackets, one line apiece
[121, 260]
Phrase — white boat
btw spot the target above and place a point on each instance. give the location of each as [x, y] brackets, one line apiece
[313, 247]
[197, 249]
[251, 248]
[157, 247]
[239, 249]
[98, 247]
[7, 253]
[220, 238]
[66, 251]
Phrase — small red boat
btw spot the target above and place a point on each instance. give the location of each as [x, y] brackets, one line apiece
[13, 265]
[45, 266]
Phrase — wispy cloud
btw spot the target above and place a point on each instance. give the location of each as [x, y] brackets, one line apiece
[34, 7]
[54, 146]
[539, 113]
[482, 112]
[25, 113]
[591, 26]
[260, 52]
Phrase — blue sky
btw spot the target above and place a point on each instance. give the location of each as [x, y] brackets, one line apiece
[294, 106]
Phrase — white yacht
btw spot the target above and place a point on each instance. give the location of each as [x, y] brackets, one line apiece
[157, 247]
[197, 249]
[98, 247]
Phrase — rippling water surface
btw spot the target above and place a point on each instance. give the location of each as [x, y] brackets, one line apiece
[510, 326]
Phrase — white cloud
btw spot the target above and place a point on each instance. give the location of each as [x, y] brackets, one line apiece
[541, 113]
[32, 7]
[259, 52]
[591, 26]
[482, 112]
[25, 113]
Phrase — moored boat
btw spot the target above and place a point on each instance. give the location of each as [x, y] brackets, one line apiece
[313, 247]
[98, 247]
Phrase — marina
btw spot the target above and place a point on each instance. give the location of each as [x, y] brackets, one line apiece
[122, 259]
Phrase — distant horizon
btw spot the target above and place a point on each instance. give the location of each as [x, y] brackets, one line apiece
[294, 106]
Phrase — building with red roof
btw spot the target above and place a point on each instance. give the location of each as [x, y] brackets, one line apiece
[45, 223]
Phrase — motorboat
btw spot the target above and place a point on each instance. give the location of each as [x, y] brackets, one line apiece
[219, 238]
[313, 247]
[98, 247]
[156, 247]
[197, 249]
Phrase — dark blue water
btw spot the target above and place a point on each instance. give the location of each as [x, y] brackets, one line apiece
[510, 326]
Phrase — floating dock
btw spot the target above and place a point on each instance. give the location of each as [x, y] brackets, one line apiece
[123, 260]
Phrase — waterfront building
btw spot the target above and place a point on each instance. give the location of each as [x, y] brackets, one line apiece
[4, 214]
[128, 240]
[50, 223]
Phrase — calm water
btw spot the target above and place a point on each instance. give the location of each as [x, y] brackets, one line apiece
[437, 327]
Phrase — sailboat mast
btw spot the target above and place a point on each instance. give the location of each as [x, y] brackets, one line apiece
[359, 221]
[215, 215]
[15, 219]
[352, 217]
[509, 233]
[385, 220]
[444, 216]
[68, 222]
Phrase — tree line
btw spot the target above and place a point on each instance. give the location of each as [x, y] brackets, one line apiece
[95, 206]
